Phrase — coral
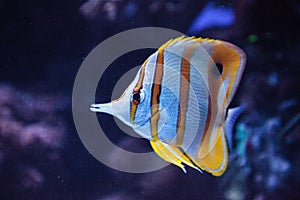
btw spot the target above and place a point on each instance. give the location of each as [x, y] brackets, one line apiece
[263, 160]
[31, 132]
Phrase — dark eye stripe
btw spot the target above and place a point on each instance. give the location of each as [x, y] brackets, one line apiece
[133, 106]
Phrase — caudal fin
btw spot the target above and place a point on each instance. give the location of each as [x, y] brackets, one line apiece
[232, 115]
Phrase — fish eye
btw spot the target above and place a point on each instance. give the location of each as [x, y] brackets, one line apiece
[137, 97]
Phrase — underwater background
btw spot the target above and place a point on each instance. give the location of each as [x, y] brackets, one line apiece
[43, 44]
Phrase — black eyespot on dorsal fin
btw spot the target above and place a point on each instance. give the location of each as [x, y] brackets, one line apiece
[220, 67]
[217, 69]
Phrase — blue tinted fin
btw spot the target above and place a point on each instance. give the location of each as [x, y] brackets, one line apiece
[232, 115]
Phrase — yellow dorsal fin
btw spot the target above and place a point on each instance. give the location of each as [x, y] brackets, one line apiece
[183, 39]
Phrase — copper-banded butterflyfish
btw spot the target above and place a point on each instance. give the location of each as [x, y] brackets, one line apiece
[179, 101]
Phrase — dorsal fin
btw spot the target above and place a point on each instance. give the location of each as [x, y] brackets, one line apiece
[186, 41]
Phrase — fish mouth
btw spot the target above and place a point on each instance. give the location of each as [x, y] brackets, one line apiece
[102, 108]
[95, 108]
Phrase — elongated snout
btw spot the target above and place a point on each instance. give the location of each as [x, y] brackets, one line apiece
[103, 107]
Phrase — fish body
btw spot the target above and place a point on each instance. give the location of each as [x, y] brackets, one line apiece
[179, 99]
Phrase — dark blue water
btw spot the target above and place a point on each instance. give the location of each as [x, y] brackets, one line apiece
[42, 47]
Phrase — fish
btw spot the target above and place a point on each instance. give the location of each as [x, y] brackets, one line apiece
[179, 101]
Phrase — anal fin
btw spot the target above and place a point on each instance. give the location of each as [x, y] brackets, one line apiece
[172, 154]
[215, 161]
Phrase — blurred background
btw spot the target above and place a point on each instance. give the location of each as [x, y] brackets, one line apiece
[43, 44]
